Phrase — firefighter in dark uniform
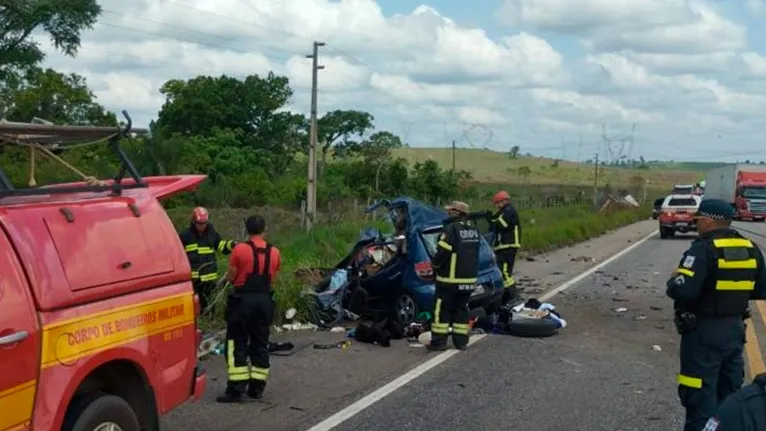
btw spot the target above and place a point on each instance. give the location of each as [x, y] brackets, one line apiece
[507, 228]
[201, 241]
[253, 267]
[744, 410]
[456, 265]
[715, 279]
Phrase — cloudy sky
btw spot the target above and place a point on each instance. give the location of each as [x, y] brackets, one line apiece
[546, 75]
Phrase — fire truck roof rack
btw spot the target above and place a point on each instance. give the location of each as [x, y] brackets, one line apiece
[47, 138]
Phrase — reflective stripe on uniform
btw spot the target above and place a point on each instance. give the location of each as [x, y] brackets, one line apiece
[452, 279]
[445, 245]
[191, 247]
[508, 279]
[225, 245]
[208, 277]
[236, 374]
[689, 382]
[501, 220]
[205, 250]
[460, 328]
[515, 244]
[734, 285]
[195, 274]
[685, 271]
[732, 242]
[257, 373]
[437, 327]
[737, 264]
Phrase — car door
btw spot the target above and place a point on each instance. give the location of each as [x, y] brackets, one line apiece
[19, 343]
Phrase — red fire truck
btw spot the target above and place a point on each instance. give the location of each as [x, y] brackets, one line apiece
[99, 319]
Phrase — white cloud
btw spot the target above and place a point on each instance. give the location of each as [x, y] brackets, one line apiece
[680, 69]
[656, 26]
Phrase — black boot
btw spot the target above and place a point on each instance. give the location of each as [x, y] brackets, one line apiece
[439, 347]
[255, 389]
[231, 397]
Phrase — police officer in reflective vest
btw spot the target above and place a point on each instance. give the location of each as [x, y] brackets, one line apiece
[507, 228]
[715, 279]
[744, 410]
[456, 265]
[201, 241]
[249, 313]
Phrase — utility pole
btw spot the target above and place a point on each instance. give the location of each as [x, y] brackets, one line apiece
[454, 146]
[595, 182]
[311, 192]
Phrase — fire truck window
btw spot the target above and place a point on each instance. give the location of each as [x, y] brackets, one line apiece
[682, 202]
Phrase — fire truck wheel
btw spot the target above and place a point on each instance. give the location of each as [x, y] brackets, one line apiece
[100, 412]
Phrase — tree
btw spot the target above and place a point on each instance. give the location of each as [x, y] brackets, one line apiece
[375, 149]
[341, 125]
[514, 153]
[63, 20]
[56, 97]
[251, 108]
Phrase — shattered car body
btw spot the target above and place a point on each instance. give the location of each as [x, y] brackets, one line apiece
[395, 271]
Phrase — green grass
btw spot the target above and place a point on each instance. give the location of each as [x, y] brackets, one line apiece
[327, 244]
[489, 166]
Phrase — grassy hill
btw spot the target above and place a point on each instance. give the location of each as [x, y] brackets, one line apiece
[494, 167]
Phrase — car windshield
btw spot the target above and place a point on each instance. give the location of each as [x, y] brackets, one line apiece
[682, 190]
[682, 202]
[754, 192]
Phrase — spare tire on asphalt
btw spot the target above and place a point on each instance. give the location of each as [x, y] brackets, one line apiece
[532, 328]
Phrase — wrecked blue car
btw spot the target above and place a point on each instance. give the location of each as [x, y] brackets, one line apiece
[391, 275]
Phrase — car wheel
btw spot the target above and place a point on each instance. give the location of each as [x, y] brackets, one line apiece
[532, 328]
[100, 412]
[405, 308]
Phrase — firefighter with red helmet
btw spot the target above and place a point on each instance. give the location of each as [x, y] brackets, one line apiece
[507, 229]
[201, 242]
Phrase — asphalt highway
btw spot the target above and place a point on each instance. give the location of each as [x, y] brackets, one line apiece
[612, 368]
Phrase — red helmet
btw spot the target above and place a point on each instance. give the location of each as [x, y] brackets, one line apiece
[501, 196]
[200, 215]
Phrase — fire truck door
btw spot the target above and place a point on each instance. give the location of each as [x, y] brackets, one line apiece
[19, 343]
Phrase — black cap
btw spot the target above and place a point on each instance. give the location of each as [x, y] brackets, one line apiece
[716, 209]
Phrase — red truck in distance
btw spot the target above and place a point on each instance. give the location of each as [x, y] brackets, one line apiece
[743, 186]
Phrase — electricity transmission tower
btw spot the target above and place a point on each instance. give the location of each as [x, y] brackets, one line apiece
[617, 148]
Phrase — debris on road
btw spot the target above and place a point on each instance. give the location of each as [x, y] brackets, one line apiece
[582, 259]
[657, 348]
[299, 326]
[620, 310]
[345, 344]
[639, 317]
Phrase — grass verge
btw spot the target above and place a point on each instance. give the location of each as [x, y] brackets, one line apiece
[544, 229]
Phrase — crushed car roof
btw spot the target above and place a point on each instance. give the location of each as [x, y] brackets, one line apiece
[419, 214]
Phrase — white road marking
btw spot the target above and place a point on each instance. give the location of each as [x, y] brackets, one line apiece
[387, 389]
[550, 294]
